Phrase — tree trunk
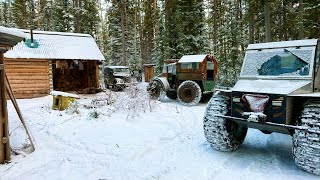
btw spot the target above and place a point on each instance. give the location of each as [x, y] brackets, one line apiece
[155, 17]
[251, 23]
[124, 32]
[215, 26]
[301, 11]
[267, 20]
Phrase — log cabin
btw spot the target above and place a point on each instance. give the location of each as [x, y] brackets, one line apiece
[49, 61]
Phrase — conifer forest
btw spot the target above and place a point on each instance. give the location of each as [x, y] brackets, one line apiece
[137, 32]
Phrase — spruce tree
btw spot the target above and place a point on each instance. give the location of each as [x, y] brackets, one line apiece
[62, 16]
[115, 33]
[89, 17]
[19, 8]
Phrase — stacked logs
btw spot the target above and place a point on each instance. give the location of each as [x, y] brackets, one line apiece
[67, 81]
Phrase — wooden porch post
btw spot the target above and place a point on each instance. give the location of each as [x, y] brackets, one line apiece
[4, 129]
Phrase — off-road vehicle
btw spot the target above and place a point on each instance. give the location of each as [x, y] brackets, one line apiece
[277, 91]
[116, 77]
[187, 79]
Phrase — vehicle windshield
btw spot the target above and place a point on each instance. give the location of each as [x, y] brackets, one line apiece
[278, 62]
[121, 70]
[171, 68]
[190, 65]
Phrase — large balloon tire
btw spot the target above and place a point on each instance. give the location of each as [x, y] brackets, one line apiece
[306, 144]
[156, 90]
[222, 134]
[189, 93]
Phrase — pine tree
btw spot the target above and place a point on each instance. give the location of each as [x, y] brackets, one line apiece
[90, 19]
[147, 34]
[7, 16]
[62, 16]
[192, 36]
[115, 33]
[46, 15]
[19, 9]
[1, 14]
[158, 55]
[134, 41]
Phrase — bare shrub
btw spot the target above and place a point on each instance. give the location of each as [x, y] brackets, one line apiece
[134, 100]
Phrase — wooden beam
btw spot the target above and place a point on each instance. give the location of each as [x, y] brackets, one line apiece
[4, 131]
[15, 104]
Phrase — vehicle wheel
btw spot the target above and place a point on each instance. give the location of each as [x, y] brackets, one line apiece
[189, 93]
[306, 145]
[115, 87]
[155, 90]
[172, 95]
[222, 134]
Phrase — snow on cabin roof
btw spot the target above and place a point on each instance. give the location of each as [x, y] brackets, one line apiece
[57, 45]
[9, 37]
[12, 31]
[281, 44]
[192, 58]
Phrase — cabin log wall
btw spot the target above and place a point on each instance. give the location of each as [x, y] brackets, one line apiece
[29, 78]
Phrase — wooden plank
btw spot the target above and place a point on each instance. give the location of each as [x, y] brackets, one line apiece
[15, 104]
[28, 96]
[28, 77]
[26, 74]
[17, 86]
[26, 67]
[30, 89]
[4, 127]
[97, 74]
[27, 71]
[29, 81]
[43, 91]
[2, 111]
[25, 62]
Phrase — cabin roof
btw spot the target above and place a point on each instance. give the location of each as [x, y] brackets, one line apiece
[57, 45]
[192, 58]
[9, 37]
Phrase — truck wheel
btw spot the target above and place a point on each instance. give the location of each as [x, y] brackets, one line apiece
[306, 145]
[171, 95]
[155, 90]
[222, 134]
[189, 93]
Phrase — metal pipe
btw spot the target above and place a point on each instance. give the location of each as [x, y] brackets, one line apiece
[269, 123]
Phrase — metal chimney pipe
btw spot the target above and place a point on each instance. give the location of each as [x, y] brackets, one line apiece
[31, 34]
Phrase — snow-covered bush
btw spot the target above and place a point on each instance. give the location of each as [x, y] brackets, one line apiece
[93, 113]
[73, 107]
[134, 99]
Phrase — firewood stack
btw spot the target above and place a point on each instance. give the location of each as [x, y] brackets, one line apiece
[67, 82]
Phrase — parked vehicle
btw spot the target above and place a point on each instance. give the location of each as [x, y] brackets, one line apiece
[278, 91]
[187, 79]
[117, 77]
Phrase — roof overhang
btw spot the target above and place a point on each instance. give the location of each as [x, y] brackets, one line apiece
[9, 37]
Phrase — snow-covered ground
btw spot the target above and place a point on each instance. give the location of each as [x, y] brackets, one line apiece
[137, 138]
